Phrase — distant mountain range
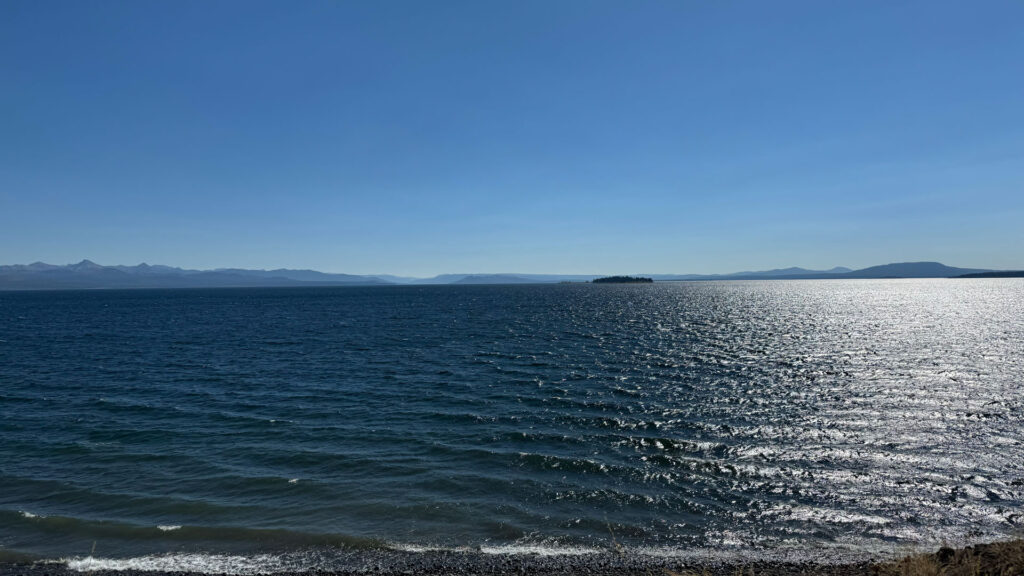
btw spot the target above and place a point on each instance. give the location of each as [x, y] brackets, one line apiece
[88, 274]
[895, 270]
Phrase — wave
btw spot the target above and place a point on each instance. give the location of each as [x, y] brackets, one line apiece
[282, 551]
[514, 557]
[540, 550]
[136, 535]
[197, 563]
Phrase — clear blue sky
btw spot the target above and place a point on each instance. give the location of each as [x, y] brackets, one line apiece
[524, 136]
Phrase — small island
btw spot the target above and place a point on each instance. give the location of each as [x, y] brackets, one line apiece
[622, 280]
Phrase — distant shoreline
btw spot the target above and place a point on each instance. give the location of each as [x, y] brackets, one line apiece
[22, 289]
[90, 275]
[996, 274]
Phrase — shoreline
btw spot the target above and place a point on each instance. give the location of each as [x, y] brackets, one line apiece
[1003, 558]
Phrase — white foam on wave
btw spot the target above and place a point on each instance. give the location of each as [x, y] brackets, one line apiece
[302, 563]
[539, 550]
[237, 565]
[746, 554]
[200, 563]
[523, 549]
[25, 514]
[416, 548]
[169, 527]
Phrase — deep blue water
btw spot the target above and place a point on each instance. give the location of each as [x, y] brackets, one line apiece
[828, 417]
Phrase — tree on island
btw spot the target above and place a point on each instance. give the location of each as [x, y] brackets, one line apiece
[622, 280]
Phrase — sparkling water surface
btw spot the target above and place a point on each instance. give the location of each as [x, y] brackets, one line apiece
[826, 417]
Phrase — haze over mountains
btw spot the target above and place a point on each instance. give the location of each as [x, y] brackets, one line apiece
[88, 274]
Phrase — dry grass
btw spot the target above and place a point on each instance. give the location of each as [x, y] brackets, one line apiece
[997, 559]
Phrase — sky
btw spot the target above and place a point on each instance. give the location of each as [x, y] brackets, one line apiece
[554, 136]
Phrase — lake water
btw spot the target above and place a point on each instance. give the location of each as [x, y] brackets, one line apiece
[290, 427]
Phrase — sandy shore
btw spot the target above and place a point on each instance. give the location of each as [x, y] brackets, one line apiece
[996, 559]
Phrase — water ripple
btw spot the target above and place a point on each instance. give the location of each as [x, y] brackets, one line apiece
[851, 415]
